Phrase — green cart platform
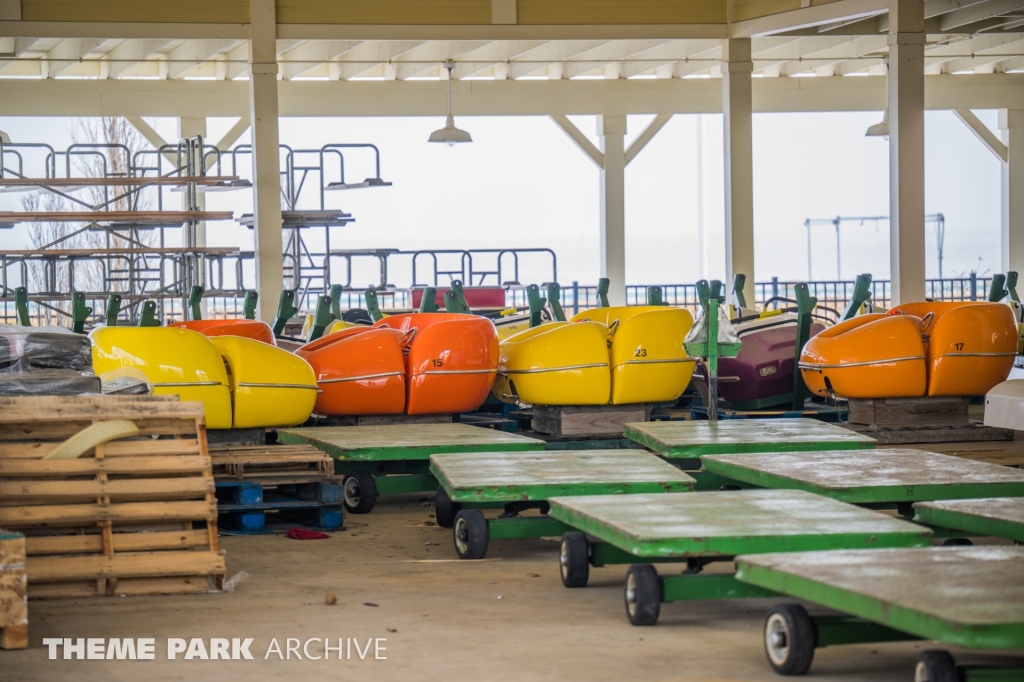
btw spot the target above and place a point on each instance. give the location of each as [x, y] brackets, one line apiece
[971, 597]
[882, 479]
[515, 482]
[699, 528]
[394, 458]
[1001, 517]
[686, 442]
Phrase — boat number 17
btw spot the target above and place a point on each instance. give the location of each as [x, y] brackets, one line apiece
[640, 353]
[959, 346]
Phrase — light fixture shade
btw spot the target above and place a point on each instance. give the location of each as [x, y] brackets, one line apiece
[880, 129]
[450, 135]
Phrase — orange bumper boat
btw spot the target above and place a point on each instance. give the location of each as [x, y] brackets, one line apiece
[360, 370]
[247, 329]
[918, 349]
[451, 360]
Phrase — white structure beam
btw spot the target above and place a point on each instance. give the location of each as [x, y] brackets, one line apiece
[652, 129]
[232, 135]
[737, 109]
[579, 139]
[1011, 125]
[906, 151]
[263, 113]
[807, 17]
[612, 131]
[982, 132]
[189, 127]
[979, 12]
[225, 98]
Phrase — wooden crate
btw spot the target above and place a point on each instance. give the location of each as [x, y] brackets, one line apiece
[13, 604]
[270, 462]
[587, 420]
[133, 516]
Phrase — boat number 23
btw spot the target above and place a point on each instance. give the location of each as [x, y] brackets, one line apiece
[640, 353]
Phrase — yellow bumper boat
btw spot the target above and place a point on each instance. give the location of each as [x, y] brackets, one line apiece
[647, 359]
[241, 382]
[607, 355]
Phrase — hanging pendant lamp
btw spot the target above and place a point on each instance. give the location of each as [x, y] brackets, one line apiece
[450, 135]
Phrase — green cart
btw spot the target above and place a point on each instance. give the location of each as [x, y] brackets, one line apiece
[699, 528]
[516, 482]
[971, 597]
[394, 458]
[1001, 517]
[686, 442]
[882, 479]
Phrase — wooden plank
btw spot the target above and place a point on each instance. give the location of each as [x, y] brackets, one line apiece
[582, 420]
[689, 439]
[136, 466]
[60, 408]
[20, 492]
[517, 476]
[906, 435]
[123, 542]
[135, 448]
[966, 596]
[142, 565]
[871, 476]
[732, 522]
[50, 431]
[898, 412]
[154, 217]
[80, 514]
[1001, 517]
[13, 585]
[198, 584]
[400, 442]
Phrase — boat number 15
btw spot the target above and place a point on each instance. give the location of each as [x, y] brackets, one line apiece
[437, 362]
[640, 353]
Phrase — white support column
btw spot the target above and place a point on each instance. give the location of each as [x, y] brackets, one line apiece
[1011, 124]
[906, 150]
[612, 131]
[737, 109]
[266, 166]
[189, 127]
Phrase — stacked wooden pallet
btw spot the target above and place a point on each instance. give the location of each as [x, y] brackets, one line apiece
[136, 515]
[13, 607]
[270, 461]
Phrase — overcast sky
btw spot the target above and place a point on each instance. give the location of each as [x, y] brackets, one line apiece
[523, 183]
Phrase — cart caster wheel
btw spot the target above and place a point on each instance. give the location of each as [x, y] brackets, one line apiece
[935, 666]
[729, 486]
[360, 491]
[444, 509]
[957, 542]
[643, 594]
[470, 534]
[789, 639]
[574, 560]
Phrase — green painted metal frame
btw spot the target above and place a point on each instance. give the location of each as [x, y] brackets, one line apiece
[536, 304]
[147, 315]
[428, 302]
[974, 525]
[79, 312]
[113, 309]
[322, 318]
[861, 295]
[455, 299]
[603, 285]
[195, 302]
[249, 304]
[21, 306]
[372, 306]
[712, 587]
[881, 496]
[692, 447]
[523, 527]
[555, 303]
[890, 615]
[285, 311]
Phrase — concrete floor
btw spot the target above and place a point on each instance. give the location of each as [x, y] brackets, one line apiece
[396, 576]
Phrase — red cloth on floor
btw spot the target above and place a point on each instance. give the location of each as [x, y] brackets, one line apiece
[306, 534]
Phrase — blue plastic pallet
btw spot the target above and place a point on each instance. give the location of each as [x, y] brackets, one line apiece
[246, 504]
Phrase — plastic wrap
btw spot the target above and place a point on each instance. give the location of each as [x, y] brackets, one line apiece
[125, 381]
[47, 382]
[23, 348]
[699, 332]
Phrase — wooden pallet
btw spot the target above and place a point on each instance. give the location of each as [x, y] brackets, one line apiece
[132, 516]
[587, 420]
[905, 435]
[384, 419]
[13, 604]
[271, 462]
